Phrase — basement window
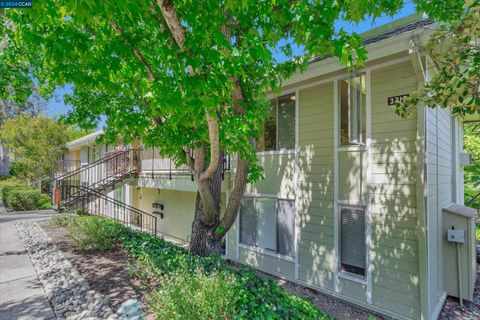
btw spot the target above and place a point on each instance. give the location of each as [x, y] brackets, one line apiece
[268, 224]
[353, 110]
[353, 239]
[279, 130]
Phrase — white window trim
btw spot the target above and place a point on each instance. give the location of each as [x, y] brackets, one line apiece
[353, 146]
[276, 152]
[337, 148]
[349, 204]
[267, 252]
[352, 277]
[260, 249]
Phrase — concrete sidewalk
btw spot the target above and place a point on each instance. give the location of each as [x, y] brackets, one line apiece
[21, 294]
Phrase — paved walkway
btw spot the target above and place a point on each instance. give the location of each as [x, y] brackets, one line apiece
[21, 294]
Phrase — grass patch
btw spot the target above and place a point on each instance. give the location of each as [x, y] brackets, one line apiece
[184, 286]
[477, 233]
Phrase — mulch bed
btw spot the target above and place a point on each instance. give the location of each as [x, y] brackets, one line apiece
[106, 272]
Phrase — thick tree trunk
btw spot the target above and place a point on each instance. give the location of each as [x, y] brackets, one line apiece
[203, 241]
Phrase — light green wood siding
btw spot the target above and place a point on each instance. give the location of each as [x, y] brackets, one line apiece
[315, 187]
[395, 270]
[278, 172]
[394, 250]
[266, 262]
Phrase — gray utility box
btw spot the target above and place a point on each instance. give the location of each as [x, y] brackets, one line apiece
[459, 240]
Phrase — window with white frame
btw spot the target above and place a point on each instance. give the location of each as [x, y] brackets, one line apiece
[279, 130]
[352, 96]
[268, 223]
[353, 239]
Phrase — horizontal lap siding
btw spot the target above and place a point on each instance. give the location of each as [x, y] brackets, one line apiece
[440, 164]
[395, 277]
[315, 187]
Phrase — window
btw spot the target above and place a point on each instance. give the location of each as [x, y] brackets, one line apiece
[269, 224]
[353, 110]
[352, 239]
[279, 130]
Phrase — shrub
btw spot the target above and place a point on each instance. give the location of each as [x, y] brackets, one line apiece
[195, 296]
[17, 169]
[255, 297]
[21, 198]
[194, 287]
[9, 182]
[93, 233]
[61, 219]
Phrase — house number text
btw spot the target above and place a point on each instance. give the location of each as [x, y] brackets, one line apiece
[396, 99]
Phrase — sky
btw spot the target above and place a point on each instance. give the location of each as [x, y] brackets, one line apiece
[56, 107]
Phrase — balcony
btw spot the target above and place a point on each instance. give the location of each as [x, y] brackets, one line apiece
[162, 173]
[152, 170]
[66, 166]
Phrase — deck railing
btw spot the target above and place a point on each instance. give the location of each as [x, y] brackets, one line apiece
[66, 166]
[87, 201]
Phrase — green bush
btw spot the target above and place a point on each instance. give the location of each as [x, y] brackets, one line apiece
[61, 219]
[17, 169]
[210, 296]
[93, 233]
[9, 182]
[44, 202]
[21, 198]
[191, 287]
[254, 296]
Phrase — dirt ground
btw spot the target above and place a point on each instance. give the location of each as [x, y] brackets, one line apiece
[106, 272]
[471, 310]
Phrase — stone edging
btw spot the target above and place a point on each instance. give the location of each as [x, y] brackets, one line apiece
[68, 292]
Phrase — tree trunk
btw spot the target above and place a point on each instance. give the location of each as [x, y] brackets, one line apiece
[203, 241]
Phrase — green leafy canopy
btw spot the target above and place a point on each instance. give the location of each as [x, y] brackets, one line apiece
[453, 67]
[125, 66]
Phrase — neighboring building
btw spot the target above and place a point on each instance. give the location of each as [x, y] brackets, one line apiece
[353, 197]
[4, 161]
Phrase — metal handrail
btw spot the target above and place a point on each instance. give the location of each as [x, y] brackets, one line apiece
[83, 200]
[92, 164]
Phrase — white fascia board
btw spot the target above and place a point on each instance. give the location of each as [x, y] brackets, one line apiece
[83, 141]
[377, 50]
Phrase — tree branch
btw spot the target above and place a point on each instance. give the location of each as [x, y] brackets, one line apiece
[236, 196]
[173, 22]
[136, 52]
[178, 33]
[213, 134]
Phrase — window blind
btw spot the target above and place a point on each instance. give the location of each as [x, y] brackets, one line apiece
[268, 223]
[247, 221]
[286, 227]
[266, 236]
[353, 245]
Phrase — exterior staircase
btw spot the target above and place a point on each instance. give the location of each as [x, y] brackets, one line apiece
[83, 190]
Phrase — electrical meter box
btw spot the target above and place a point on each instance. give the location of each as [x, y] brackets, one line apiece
[459, 245]
[456, 235]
